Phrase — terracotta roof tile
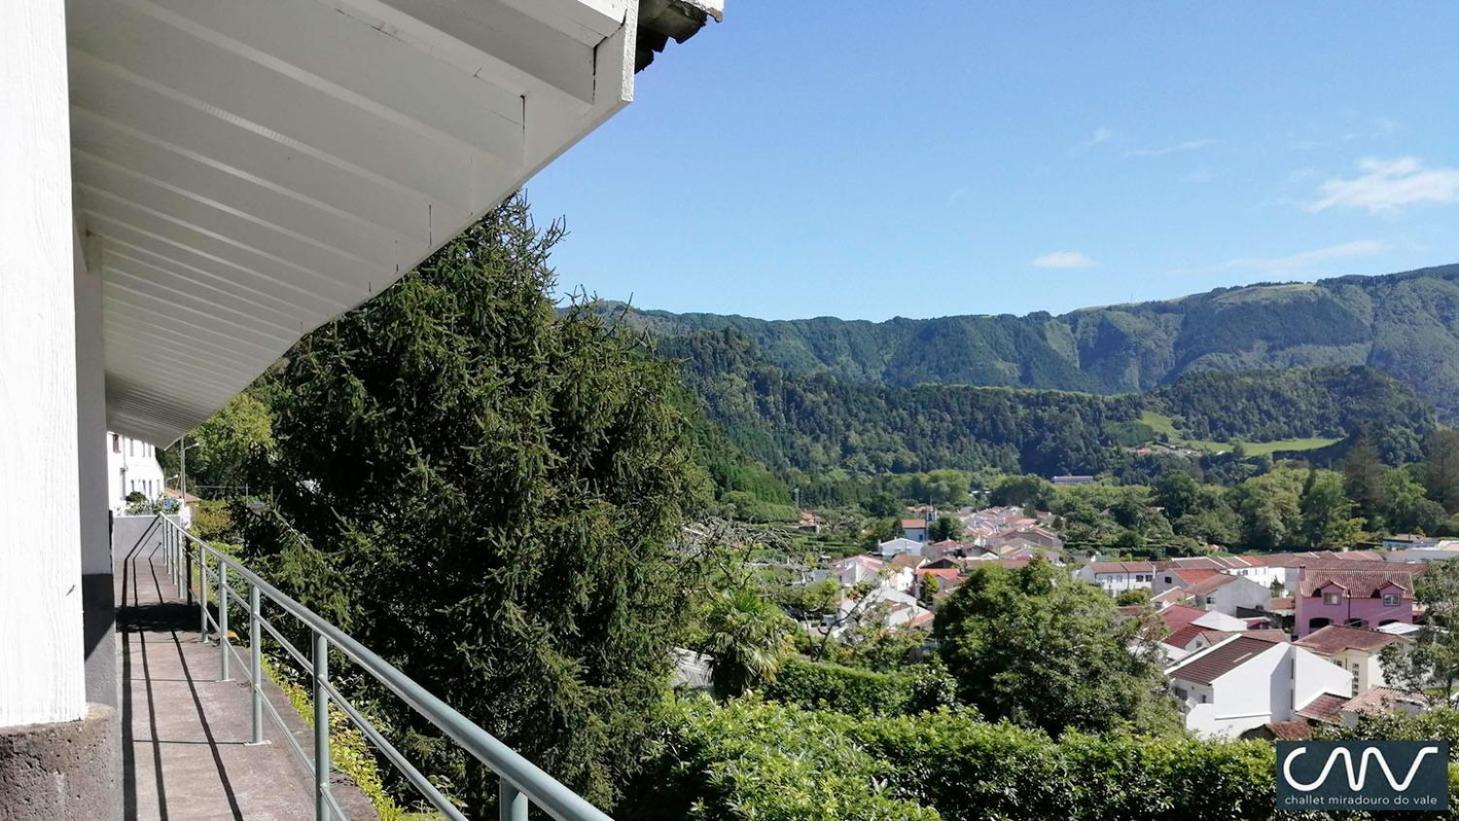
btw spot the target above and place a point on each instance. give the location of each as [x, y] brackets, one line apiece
[1208, 585]
[1214, 662]
[1324, 707]
[1122, 567]
[1335, 638]
[1178, 616]
[1359, 584]
[1294, 730]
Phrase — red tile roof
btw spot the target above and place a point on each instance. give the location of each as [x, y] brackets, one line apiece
[914, 524]
[1335, 638]
[1210, 584]
[1324, 707]
[1294, 730]
[1177, 616]
[1382, 700]
[1185, 635]
[1192, 575]
[1281, 603]
[1359, 584]
[1214, 662]
[1121, 567]
[907, 560]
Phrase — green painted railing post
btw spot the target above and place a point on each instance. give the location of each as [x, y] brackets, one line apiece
[321, 728]
[202, 595]
[223, 621]
[255, 659]
[172, 562]
[511, 803]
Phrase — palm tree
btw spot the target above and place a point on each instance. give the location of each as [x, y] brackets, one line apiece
[746, 638]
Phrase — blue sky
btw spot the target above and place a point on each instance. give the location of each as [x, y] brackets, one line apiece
[869, 160]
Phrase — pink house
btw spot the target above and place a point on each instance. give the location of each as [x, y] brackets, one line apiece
[1353, 598]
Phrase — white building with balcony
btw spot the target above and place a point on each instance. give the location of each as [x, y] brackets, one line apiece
[131, 467]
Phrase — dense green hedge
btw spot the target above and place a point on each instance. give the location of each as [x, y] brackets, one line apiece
[822, 685]
[755, 759]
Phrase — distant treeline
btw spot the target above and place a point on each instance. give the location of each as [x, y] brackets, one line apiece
[816, 425]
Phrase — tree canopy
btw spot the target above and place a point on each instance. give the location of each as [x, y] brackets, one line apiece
[486, 493]
[1029, 646]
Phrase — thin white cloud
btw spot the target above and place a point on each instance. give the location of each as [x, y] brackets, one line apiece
[1063, 259]
[1306, 259]
[1388, 185]
[1165, 150]
[1199, 175]
[1100, 136]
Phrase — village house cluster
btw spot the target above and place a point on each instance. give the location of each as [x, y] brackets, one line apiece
[1255, 645]
[1271, 645]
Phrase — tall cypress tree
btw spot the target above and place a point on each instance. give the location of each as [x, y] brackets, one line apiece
[485, 491]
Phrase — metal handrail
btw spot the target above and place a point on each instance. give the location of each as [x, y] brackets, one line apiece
[520, 781]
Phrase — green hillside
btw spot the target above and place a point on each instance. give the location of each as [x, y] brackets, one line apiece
[1163, 424]
[1405, 325]
[817, 422]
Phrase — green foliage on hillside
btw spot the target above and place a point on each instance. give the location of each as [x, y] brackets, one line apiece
[487, 494]
[752, 759]
[1308, 407]
[818, 423]
[1003, 630]
[827, 686]
[1406, 325]
[809, 429]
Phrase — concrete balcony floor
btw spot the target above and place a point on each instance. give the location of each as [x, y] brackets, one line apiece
[185, 733]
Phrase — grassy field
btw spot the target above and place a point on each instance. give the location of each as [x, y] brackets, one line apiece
[1160, 423]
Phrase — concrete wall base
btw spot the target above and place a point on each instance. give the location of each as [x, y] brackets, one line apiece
[68, 770]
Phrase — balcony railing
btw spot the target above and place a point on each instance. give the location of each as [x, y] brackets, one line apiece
[521, 783]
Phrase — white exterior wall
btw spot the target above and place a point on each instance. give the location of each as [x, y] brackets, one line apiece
[1316, 675]
[1241, 593]
[131, 465]
[1115, 583]
[1363, 669]
[42, 678]
[1268, 687]
[1249, 696]
[1261, 574]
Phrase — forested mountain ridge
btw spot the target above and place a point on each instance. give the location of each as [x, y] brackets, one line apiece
[1406, 325]
[816, 421]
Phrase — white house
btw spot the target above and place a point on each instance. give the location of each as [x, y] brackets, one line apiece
[1117, 577]
[854, 570]
[1245, 681]
[1227, 594]
[898, 546]
[1184, 572]
[131, 467]
[915, 529]
[186, 189]
[1352, 649]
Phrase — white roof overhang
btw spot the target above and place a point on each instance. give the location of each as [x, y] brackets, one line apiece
[246, 171]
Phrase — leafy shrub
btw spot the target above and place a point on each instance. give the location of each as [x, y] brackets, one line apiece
[211, 521]
[823, 685]
[758, 759]
[752, 759]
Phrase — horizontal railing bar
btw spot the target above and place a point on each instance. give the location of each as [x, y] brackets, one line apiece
[395, 757]
[279, 637]
[233, 648]
[334, 808]
[542, 789]
[288, 736]
[242, 602]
